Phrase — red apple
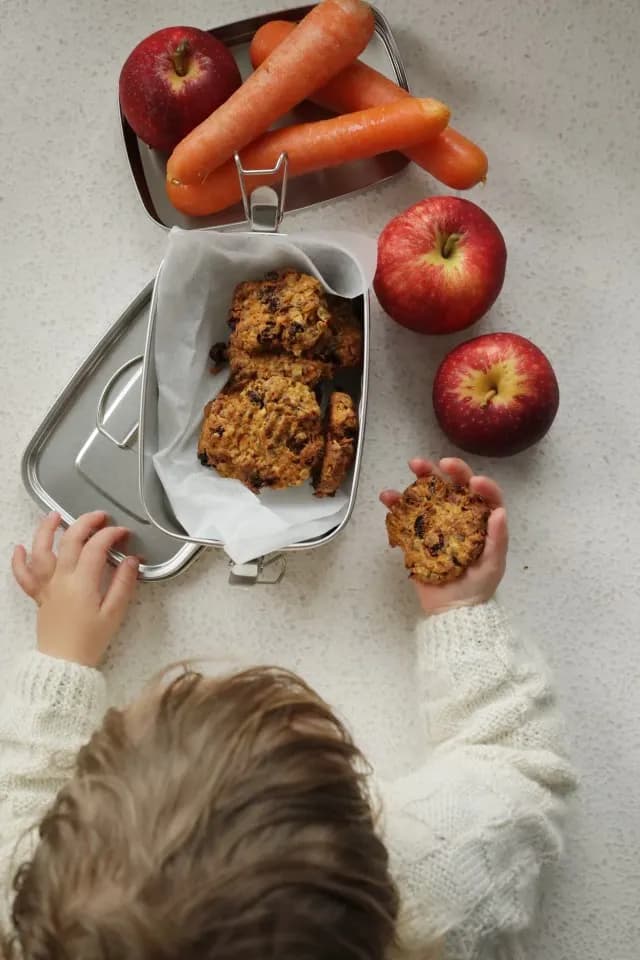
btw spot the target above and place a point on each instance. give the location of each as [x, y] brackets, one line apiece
[172, 81]
[495, 395]
[441, 265]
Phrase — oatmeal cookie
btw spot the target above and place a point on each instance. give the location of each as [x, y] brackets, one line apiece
[341, 431]
[246, 366]
[345, 334]
[287, 311]
[267, 433]
[440, 526]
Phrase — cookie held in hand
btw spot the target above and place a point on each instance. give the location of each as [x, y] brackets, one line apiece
[441, 527]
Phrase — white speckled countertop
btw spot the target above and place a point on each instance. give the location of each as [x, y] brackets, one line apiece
[550, 90]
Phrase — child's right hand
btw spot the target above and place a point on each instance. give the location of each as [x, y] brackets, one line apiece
[480, 581]
[77, 619]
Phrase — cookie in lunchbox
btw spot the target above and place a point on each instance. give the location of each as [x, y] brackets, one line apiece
[267, 433]
[285, 312]
[341, 432]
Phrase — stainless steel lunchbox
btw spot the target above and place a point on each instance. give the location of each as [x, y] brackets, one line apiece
[94, 448]
[264, 212]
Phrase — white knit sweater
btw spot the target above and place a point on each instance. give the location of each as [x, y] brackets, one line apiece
[468, 832]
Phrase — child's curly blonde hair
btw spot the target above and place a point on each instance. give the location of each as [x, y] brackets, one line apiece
[224, 819]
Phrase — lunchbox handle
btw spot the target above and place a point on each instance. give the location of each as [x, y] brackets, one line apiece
[102, 405]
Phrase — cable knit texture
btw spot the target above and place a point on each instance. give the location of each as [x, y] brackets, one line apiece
[469, 830]
[49, 709]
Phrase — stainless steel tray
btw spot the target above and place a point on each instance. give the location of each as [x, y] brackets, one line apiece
[148, 167]
[152, 492]
[72, 464]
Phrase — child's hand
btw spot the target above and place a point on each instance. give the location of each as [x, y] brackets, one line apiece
[77, 618]
[479, 582]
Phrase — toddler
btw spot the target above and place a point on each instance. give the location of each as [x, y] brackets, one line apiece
[233, 818]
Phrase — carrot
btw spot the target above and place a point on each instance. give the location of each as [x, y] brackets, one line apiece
[451, 158]
[315, 146]
[321, 45]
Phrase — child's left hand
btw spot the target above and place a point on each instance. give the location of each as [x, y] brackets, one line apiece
[77, 619]
[479, 582]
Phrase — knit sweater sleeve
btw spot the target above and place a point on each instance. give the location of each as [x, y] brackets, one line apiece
[470, 831]
[48, 710]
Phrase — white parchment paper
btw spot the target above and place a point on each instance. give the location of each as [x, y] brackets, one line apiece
[197, 279]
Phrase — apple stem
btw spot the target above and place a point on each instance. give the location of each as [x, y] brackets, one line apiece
[488, 397]
[449, 245]
[180, 57]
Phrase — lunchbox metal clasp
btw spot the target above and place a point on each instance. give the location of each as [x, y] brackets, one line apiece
[264, 206]
[265, 570]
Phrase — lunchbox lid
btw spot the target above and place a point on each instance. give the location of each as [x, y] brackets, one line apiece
[148, 167]
[84, 455]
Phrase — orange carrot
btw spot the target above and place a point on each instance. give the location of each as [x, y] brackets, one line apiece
[321, 45]
[315, 146]
[450, 157]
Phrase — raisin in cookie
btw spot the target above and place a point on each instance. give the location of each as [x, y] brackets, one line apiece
[267, 433]
[218, 357]
[341, 431]
[440, 526]
[287, 311]
[247, 366]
